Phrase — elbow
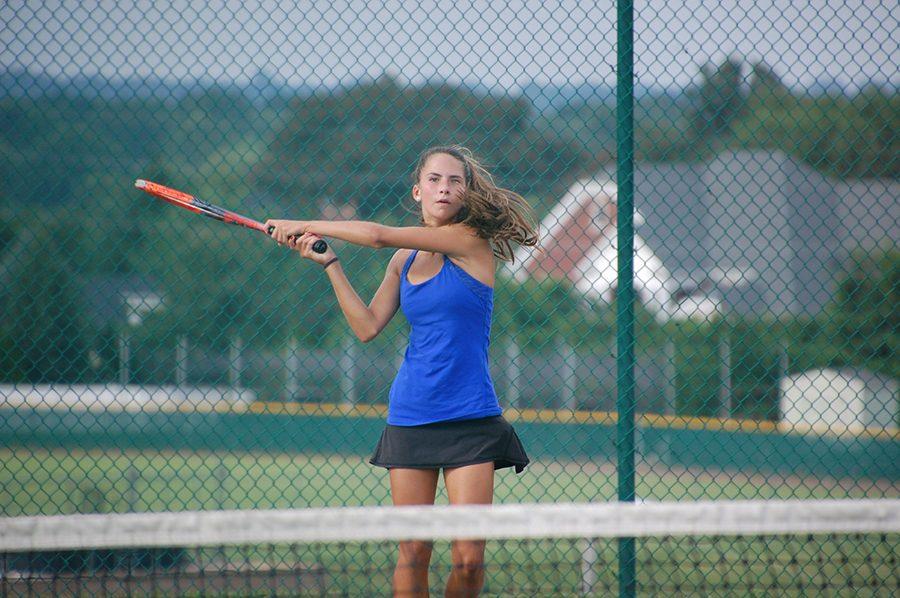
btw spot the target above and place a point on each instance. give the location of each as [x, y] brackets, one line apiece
[377, 236]
[365, 337]
[367, 334]
[364, 325]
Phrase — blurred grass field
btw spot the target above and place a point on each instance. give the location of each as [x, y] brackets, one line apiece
[66, 481]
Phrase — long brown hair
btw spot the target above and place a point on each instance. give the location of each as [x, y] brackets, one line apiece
[500, 215]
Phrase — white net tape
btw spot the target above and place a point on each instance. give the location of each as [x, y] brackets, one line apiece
[604, 520]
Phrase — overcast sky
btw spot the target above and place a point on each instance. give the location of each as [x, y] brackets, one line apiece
[502, 45]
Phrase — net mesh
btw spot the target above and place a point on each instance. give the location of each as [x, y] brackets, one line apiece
[707, 548]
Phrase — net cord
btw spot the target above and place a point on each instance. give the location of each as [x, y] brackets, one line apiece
[375, 524]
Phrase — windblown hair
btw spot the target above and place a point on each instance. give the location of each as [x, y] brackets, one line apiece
[499, 215]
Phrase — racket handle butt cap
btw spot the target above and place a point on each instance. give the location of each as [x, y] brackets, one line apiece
[319, 246]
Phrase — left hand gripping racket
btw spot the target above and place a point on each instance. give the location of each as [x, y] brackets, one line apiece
[198, 206]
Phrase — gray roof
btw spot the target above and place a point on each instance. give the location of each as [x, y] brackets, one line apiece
[670, 197]
[763, 229]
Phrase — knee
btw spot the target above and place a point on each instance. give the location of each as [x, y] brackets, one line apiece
[416, 553]
[468, 558]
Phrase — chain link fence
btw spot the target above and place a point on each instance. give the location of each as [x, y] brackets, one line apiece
[151, 360]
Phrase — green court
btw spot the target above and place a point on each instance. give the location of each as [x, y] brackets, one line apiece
[63, 481]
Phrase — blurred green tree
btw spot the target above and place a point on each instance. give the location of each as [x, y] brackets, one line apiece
[43, 333]
[865, 318]
[359, 146]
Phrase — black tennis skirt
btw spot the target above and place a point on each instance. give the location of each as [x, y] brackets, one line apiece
[451, 444]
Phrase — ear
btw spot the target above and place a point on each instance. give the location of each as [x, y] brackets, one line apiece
[415, 193]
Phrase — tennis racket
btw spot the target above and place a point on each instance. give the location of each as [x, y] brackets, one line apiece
[198, 206]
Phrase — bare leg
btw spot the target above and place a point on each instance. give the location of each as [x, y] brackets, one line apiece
[469, 485]
[413, 487]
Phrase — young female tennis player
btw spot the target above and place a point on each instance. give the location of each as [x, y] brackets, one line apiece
[443, 412]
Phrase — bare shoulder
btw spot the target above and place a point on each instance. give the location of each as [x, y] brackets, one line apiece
[395, 266]
[479, 248]
[466, 232]
[479, 262]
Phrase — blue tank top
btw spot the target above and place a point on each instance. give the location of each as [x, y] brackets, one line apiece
[444, 375]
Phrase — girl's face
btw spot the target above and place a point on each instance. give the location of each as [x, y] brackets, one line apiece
[440, 189]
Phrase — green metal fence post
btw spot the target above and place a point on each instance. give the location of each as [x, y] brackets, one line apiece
[625, 303]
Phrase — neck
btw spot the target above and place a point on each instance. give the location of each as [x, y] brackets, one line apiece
[432, 223]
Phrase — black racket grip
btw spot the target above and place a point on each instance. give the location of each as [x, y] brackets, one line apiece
[319, 246]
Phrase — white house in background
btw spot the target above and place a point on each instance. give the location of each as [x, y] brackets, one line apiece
[838, 401]
[748, 232]
[579, 243]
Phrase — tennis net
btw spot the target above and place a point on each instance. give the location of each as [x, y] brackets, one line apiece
[831, 547]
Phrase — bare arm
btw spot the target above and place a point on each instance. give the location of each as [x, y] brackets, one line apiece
[366, 321]
[456, 240]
